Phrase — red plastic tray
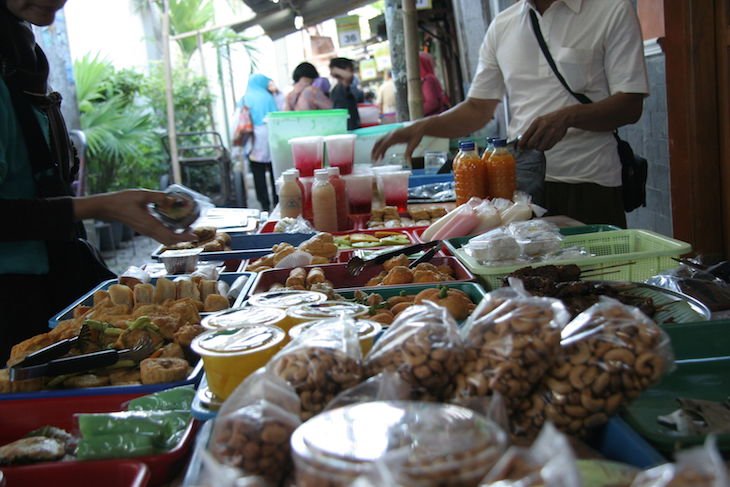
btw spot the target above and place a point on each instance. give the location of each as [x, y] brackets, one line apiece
[341, 279]
[110, 473]
[24, 415]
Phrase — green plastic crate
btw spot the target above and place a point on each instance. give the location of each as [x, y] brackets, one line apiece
[699, 379]
[700, 340]
[638, 255]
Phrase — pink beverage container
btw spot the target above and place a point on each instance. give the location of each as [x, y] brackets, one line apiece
[307, 153]
[307, 198]
[341, 151]
[395, 189]
[359, 193]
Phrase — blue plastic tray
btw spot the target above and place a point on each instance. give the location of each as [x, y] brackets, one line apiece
[87, 299]
[193, 379]
[248, 246]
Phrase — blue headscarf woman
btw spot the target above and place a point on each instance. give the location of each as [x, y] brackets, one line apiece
[260, 102]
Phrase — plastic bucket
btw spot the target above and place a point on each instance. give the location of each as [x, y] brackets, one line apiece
[287, 125]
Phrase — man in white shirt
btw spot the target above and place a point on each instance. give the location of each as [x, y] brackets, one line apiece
[597, 47]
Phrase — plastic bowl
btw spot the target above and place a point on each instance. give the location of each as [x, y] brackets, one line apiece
[367, 330]
[232, 354]
[243, 316]
[183, 261]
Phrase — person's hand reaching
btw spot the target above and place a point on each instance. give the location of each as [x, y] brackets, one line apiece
[410, 135]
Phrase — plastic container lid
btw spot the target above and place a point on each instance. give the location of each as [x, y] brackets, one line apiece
[295, 172]
[308, 114]
[439, 439]
[286, 298]
[237, 317]
[327, 309]
[321, 175]
[235, 341]
[365, 328]
[289, 177]
[333, 171]
[309, 139]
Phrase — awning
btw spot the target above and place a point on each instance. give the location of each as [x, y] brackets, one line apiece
[277, 19]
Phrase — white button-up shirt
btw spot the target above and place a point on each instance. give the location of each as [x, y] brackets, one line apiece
[597, 47]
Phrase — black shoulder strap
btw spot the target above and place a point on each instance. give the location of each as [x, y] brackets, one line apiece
[543, 46]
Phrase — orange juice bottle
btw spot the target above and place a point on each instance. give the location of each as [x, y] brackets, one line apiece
[501, 170]
[469, 173]
[489, 149]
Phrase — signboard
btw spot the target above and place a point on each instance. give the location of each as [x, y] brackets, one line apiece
[348, 30]
[382, 57]
[368, 69]
[424, 4]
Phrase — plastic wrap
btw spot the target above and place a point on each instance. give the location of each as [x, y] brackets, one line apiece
[698, 467]
[610, 353]
[422, 444]
[294, 225]
[463, 222]
[522, 209]
[488, 217]
[177, 398]
[536, 237]
[385, 386]
[254, 425]
[320, 363]
[133, 276]
[424, 347]
[182, 207]
[548, 462]
[700, 284]
[509, 349]
[295, 259]
[495, 247]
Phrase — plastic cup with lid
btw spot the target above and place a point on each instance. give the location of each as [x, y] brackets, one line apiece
[307, 153]
[341, 151]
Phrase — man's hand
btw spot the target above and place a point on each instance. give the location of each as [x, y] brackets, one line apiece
[410, 135]
[546, 131]
[344, 76]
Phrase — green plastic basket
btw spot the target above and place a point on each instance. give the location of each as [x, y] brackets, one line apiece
[633, 255]
[699, 340]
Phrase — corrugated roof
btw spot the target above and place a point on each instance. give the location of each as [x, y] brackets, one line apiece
[277, 19]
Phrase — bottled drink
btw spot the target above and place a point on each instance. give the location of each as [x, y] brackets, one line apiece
[489, 149]
[290, 196]
[324, 202]
[470, 175]
[343, 211]
[306, 190]
[502, 169]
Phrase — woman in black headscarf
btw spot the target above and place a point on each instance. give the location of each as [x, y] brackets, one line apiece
[44, 261]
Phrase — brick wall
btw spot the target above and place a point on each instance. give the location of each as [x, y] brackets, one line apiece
[648, 137]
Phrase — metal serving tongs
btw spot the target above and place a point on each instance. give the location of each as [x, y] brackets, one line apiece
[356, 264]
[55, 350]
[81, 363]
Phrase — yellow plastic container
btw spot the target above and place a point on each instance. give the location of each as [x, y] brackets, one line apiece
[367, 330]
[232, 354]
[244, 316]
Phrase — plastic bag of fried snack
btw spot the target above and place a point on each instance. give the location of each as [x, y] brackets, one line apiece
[701, 466]
[549, 462]
[320, 363]
[509, 348]
[385, 386]
[424, 347]
[253, 427]
[609, 354]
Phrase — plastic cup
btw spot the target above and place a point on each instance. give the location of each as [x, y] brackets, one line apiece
[307, 154]
[395, 188]
[341, 151]
[359, 193]
[432, 161]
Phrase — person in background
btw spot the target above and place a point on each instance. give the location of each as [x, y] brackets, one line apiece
[323, 84]
[279, 97]
[434, 99]
[260, 102]
[303, 95]
[598, 48]
[44, 263]
[385, 98]
[345, 94]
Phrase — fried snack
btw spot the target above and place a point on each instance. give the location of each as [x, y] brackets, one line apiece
[65, 329]
[127, 376]
[167, 324]
[224, 237]
[86, 380]
[185, 335]
[318, 260]
[376, 214]
[456, 301]
[205, 233]
[398, 275]
[121, 295]
[436, 212]
[214, 246]
[377, 280]
[100, 297]
[297, 277]
[398, 260]
[172, 350]
[185, 288]
[207, 287]
[186, 311]
[164, 289]
[282, 252]
[315, 276]
[429, 276]
[161, 370]
[322, 244]
[28, 346]
[144, 294]
[215, 302]
[420, 214]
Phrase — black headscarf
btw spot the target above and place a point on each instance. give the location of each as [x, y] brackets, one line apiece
[24, 68]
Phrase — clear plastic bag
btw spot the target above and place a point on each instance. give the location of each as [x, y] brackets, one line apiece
[492, 407]
[610, 353]
[495, 247]
[254, 425]
[182, 207]
[488, 217]
[320, 363]
[522, 209]
[385, 386]
[549, 462]
[294, 225]
[697, 467]
[536, 237]
[510, 348]
[423, 346]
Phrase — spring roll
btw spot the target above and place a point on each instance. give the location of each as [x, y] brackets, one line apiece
[316, 275]
[297, 277]
[215, 302]
[164, 290]
[207, 287]
[144, 294]
[121, 295]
